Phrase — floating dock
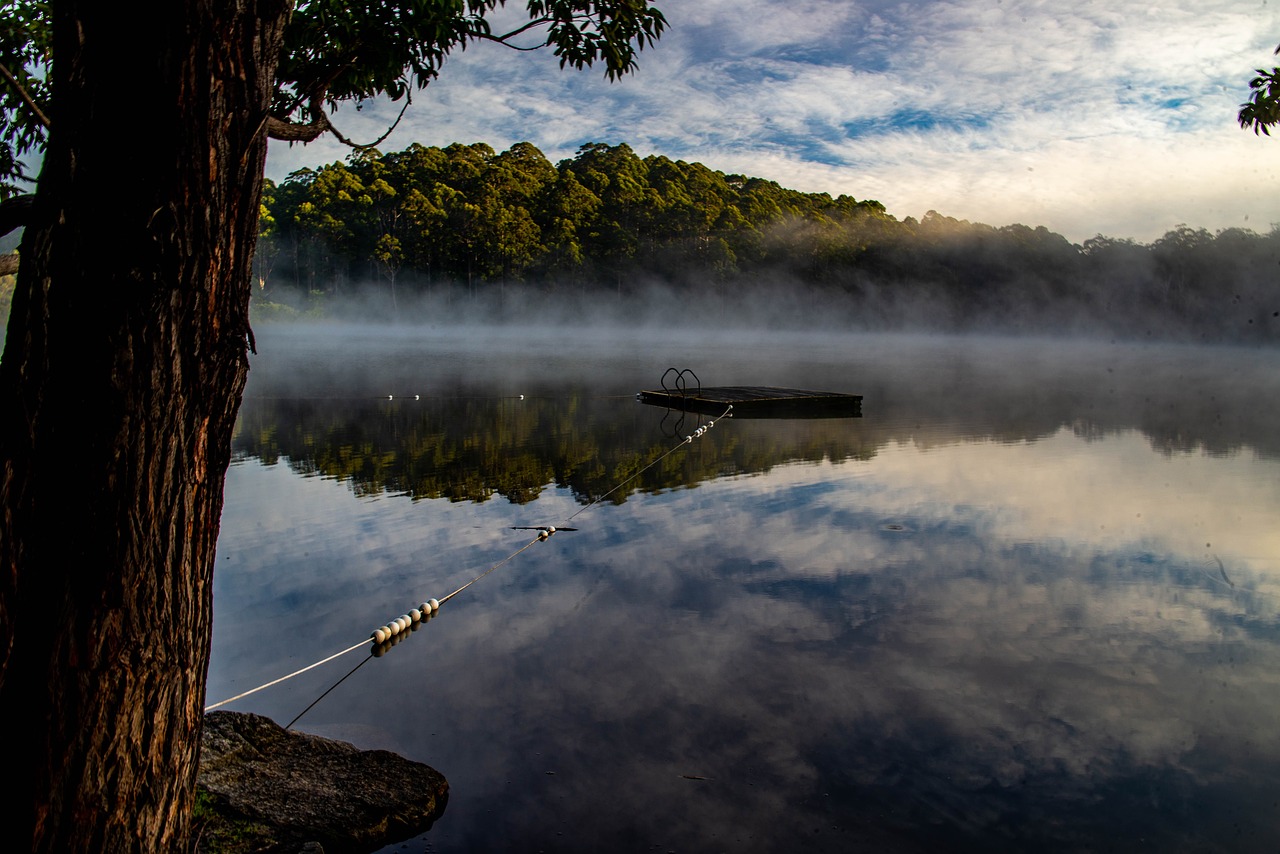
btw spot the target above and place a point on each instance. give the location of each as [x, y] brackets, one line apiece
[757, 402]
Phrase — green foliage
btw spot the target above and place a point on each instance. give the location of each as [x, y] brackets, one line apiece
[465, 213]
[25, 40]
[221, 831]
[338, 51]
[1262, 110]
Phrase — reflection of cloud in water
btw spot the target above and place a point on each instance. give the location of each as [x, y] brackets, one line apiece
[1035, 655]
[1103, 495]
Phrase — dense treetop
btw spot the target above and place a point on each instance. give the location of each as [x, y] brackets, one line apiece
[466, 213]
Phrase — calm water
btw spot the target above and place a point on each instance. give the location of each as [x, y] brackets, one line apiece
[1031, 599]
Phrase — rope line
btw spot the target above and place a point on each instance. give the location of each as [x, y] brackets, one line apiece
[289, 676]
[696, 434]
[541, 538]
[383, 635]
[366, 660]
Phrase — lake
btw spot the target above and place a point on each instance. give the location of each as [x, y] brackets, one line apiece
[1030, 599]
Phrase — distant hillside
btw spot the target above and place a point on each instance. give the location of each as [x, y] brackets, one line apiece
[465, 226]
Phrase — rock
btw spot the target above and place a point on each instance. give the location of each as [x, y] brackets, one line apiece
[267, 789]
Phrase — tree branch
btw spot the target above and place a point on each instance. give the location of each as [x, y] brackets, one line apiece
[15, 212]
[294, 132]
[502, 40]
[288, 131]
[533, 23]
[361, 146]
[25, 96]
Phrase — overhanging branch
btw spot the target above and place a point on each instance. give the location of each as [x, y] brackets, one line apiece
[295, 132]
[15, 212]
[288, 131]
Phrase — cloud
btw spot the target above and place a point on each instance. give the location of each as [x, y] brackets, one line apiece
[1112, 117]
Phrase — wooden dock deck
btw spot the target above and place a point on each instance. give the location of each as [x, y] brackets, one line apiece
[757, 402]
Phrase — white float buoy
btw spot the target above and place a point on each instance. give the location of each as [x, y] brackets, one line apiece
[435, 606]
[522, 397]
[378, 636]
[417, 397]
[391, 397]
[415, 615]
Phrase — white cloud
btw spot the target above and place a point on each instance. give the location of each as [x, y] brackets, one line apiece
[1111, 117]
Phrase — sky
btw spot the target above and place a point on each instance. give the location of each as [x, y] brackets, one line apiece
[1112, 117]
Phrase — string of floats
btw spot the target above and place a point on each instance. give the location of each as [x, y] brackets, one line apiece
[393, 631]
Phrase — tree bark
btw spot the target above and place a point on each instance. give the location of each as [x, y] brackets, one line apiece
[121, 378]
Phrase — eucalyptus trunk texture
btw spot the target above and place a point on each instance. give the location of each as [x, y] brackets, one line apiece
[125, 361]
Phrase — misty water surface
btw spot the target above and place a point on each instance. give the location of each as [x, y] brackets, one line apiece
[1030, 598]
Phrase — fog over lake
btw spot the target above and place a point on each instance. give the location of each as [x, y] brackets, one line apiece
[1031, 598]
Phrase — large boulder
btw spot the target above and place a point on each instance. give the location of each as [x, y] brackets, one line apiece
[263, 788]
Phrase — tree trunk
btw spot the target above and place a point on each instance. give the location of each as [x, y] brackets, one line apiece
[124, 365]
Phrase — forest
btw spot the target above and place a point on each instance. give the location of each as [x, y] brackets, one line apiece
[467, 230]
[433, 234]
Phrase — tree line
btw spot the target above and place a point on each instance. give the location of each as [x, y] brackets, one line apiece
[467, 214]
[467, 219]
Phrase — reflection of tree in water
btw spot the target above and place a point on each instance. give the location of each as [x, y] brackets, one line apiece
[479, 444]
[473, 449]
